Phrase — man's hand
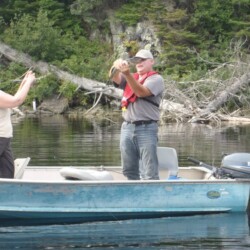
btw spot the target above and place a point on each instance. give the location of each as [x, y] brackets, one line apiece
[122, 66]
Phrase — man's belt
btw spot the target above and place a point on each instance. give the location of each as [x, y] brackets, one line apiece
[138, 123]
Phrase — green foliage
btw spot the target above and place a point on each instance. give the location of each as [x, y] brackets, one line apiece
[2, 24]
[41, 39]
[88, 59]
[75, 96]
[176, 39]
[211, 18]
[194, 35]
[131, 46]
[44, 87]
[36, 37]
[67, 89]
[82, 7]
[191, 30]
[85, 10]
[58, 12]
[10, 77]
[217, 22]
[133, 11]
[170, 28]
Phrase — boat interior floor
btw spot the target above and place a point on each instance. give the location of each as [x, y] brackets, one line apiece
[55, 173]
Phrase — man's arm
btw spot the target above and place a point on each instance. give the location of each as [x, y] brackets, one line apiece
[124, 72]
[138, 89]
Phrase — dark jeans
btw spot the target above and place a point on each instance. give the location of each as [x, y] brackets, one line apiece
[6, 159]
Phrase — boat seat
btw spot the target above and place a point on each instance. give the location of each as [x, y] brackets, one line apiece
[20, 165]
[168, 159]
[71, 173]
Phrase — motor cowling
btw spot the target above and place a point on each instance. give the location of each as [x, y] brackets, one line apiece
[236, 165]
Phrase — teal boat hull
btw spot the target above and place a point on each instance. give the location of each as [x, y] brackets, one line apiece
[32, 202]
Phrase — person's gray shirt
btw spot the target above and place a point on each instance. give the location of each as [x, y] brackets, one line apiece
[143, 110]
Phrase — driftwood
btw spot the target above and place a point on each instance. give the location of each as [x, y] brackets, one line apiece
[180, 107]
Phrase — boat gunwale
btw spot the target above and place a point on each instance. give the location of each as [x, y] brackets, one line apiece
[123, 182]
[116, 182]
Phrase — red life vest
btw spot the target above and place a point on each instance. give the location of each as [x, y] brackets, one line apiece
[128, 94]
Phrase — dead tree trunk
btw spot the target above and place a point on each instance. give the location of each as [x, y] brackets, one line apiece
[223, 97]
[45, 68]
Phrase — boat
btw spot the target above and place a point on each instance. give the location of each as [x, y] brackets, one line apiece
[60, 194]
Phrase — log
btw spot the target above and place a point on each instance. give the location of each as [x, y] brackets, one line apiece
[232, 119]
[222, 98]
[45, 68]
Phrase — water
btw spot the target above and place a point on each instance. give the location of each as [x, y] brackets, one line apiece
[58, 140]
[223, 231]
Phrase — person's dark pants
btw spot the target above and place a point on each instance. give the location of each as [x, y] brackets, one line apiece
[6, 159]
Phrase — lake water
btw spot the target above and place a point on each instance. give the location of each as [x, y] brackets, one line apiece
[58, 140]
[224, 231]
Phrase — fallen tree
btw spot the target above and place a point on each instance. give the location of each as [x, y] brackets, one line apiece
[223, 97]
[45, 68]
[177, 105]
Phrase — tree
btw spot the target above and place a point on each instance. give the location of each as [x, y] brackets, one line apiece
[36, 37]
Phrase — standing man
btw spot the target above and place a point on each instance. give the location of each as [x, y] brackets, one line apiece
[142, 95]
[6, 131]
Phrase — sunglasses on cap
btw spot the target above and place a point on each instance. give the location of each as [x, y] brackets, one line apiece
[136, 60]
[139, 60]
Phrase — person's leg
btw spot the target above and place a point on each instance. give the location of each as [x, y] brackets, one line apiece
[147, 139]
[7, 167]
[129, 152]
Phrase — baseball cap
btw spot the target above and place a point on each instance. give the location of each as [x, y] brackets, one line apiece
[142, 54]
[145, 54]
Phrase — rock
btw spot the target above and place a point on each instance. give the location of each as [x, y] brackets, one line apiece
[54, 105]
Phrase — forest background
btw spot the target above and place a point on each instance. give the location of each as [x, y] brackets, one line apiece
[201, 44]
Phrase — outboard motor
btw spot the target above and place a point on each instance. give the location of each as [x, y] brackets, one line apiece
[236, 165]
